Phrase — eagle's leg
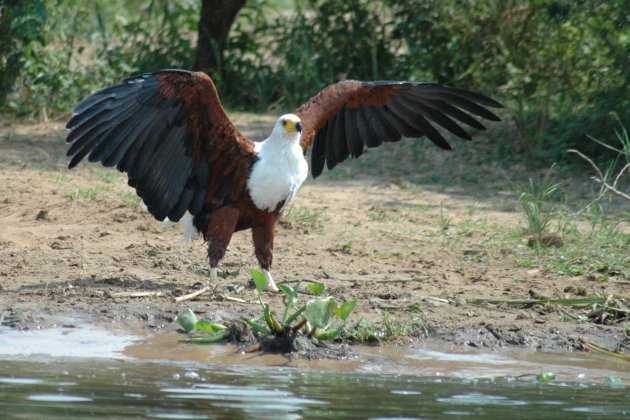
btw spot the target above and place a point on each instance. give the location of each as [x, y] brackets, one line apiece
[263, 244]
[218, 234]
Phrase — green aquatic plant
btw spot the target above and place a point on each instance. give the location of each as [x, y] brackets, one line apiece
[316, 318]
[613, 382]
[322, 317]
[545, 377]
[189, 322]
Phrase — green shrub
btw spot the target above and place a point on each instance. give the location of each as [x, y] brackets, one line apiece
[561, 65]
[70, 49]
[319, 43]
[20, 27]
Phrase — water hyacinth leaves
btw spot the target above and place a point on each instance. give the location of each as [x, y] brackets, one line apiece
[545, 377]
[271, 321]
[189, 322]
[316, 288]
[315, 318]
[343, 312]
[613, 382]
[292, 297]
[289, 291]
[260, 281]
[319, 312]
[207, 326]
[256, 326]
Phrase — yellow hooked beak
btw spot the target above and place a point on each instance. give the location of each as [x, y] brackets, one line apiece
[292, 126]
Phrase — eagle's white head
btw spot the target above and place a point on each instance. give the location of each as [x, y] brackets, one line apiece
[280, 168]
[288, 127]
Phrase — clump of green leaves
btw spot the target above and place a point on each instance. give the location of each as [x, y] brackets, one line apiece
[189, 322]
[545, 377]
[315, 318]
[322, 318]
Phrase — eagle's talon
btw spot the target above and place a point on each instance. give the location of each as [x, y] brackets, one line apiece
[213, 281]
[271, 285]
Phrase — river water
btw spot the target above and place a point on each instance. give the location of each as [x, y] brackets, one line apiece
[84, 372]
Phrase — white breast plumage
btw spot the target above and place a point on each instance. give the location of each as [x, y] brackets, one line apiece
[278, 174]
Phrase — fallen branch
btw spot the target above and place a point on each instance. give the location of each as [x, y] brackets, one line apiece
[192, 295]
[436, 299]
[529, 302]
[381, 280]
[398, 280]
[233, 299]
[589, 346]
[136, 294]
[392, 307]
[601, 179]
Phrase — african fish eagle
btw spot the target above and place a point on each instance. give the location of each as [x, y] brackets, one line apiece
[183, 155]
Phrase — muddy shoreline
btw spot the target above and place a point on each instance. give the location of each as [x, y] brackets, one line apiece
[99, 303]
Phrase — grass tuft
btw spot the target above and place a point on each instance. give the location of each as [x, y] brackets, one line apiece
[86, 193]
[539, 200]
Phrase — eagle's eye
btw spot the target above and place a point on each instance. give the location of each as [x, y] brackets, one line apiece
[284, 123]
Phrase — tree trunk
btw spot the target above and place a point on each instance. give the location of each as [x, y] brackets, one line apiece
[217, 16]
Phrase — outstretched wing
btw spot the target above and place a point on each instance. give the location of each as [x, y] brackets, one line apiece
[169, 132]
[345, 117]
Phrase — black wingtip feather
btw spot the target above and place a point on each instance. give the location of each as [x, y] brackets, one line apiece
[475, 97]
[354, 142]
[341, 143]
[331, 138]
[318, 153]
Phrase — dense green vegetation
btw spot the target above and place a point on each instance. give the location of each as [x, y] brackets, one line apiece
[562, 67]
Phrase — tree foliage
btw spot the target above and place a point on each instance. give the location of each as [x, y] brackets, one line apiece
[561, 66]
[70, 49]
[20, 27]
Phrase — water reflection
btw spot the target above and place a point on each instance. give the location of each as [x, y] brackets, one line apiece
[87, 341]
[57, 398]
[253, 400]
[85, 388]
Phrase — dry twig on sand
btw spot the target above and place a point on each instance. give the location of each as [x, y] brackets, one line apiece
[192, 295]
[601, 179]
